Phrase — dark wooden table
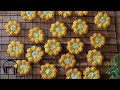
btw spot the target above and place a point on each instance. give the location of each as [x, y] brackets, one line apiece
[118, 27]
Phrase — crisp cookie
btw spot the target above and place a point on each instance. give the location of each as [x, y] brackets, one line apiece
[53, 47]
[48, 71]
[94, 57]
[102, 20]
[36, 35]
[15, 49]
[65, 13]
[91, 73]
[47, 15]
[80, 27]
[13, 28]
[97, 40]
[67, 61]
[58, 29]
[81, 13]
[28, 15]
[73, 74]
[75, 46]
[34, 54]
[23, 67]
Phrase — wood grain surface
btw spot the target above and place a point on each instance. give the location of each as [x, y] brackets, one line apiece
[108, 50]
[118, 27]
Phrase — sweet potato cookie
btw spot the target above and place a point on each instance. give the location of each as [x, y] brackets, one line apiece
[15, 49]
[58, 29]
[91, 73]
[67, 61]
[36, 35]
[53, 47]
[81, 13]
[97, 40]
[65, 13]
[94, 57]
[75, 46]
[28, 15]
[73, 74]
[47, 15]
[48, 71]
[23, 67]
[13, 27]
[80, 27]
[34, 54]
[102, 20]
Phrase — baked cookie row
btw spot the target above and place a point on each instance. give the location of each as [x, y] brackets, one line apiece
[102, 20]
[49, 71]
[47, 15]
[53, 47]
[57, 29]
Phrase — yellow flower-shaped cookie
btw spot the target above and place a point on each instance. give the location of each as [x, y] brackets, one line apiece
[28, 15]
[23, 67]
[80, 27]
[67, 61]
[65, 13]
[34, 54]
[53, 47]
[75, 46]
[73, 74]
[48, 71]
[36, 35]
[58, 29]
[13, 27]
[97, 40]
[47, 15]
[15, 49]
[94, 57]
[81, 13]
[102, 20]
[91, 73]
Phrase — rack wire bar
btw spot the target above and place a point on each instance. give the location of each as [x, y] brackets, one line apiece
[108, 50]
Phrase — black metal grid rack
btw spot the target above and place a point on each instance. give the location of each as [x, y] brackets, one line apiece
[110, 48]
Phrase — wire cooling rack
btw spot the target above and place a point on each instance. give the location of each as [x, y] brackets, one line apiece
[109, 49]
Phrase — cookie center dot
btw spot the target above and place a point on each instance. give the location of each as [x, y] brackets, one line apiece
[75, 45]
[22, 67]
[67, 61]
[15, 48]
[90, 75]
[29, 13]
[47, 13]
[80, 27]
[74, 76]
[53, 47]
[13, 27]
[95, 57]
[97, 40]
[48, 71]
[58, 30]
[34, 54]
[36, 35]
[102, 20]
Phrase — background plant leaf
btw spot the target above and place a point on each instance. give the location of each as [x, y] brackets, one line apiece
[114, 70]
